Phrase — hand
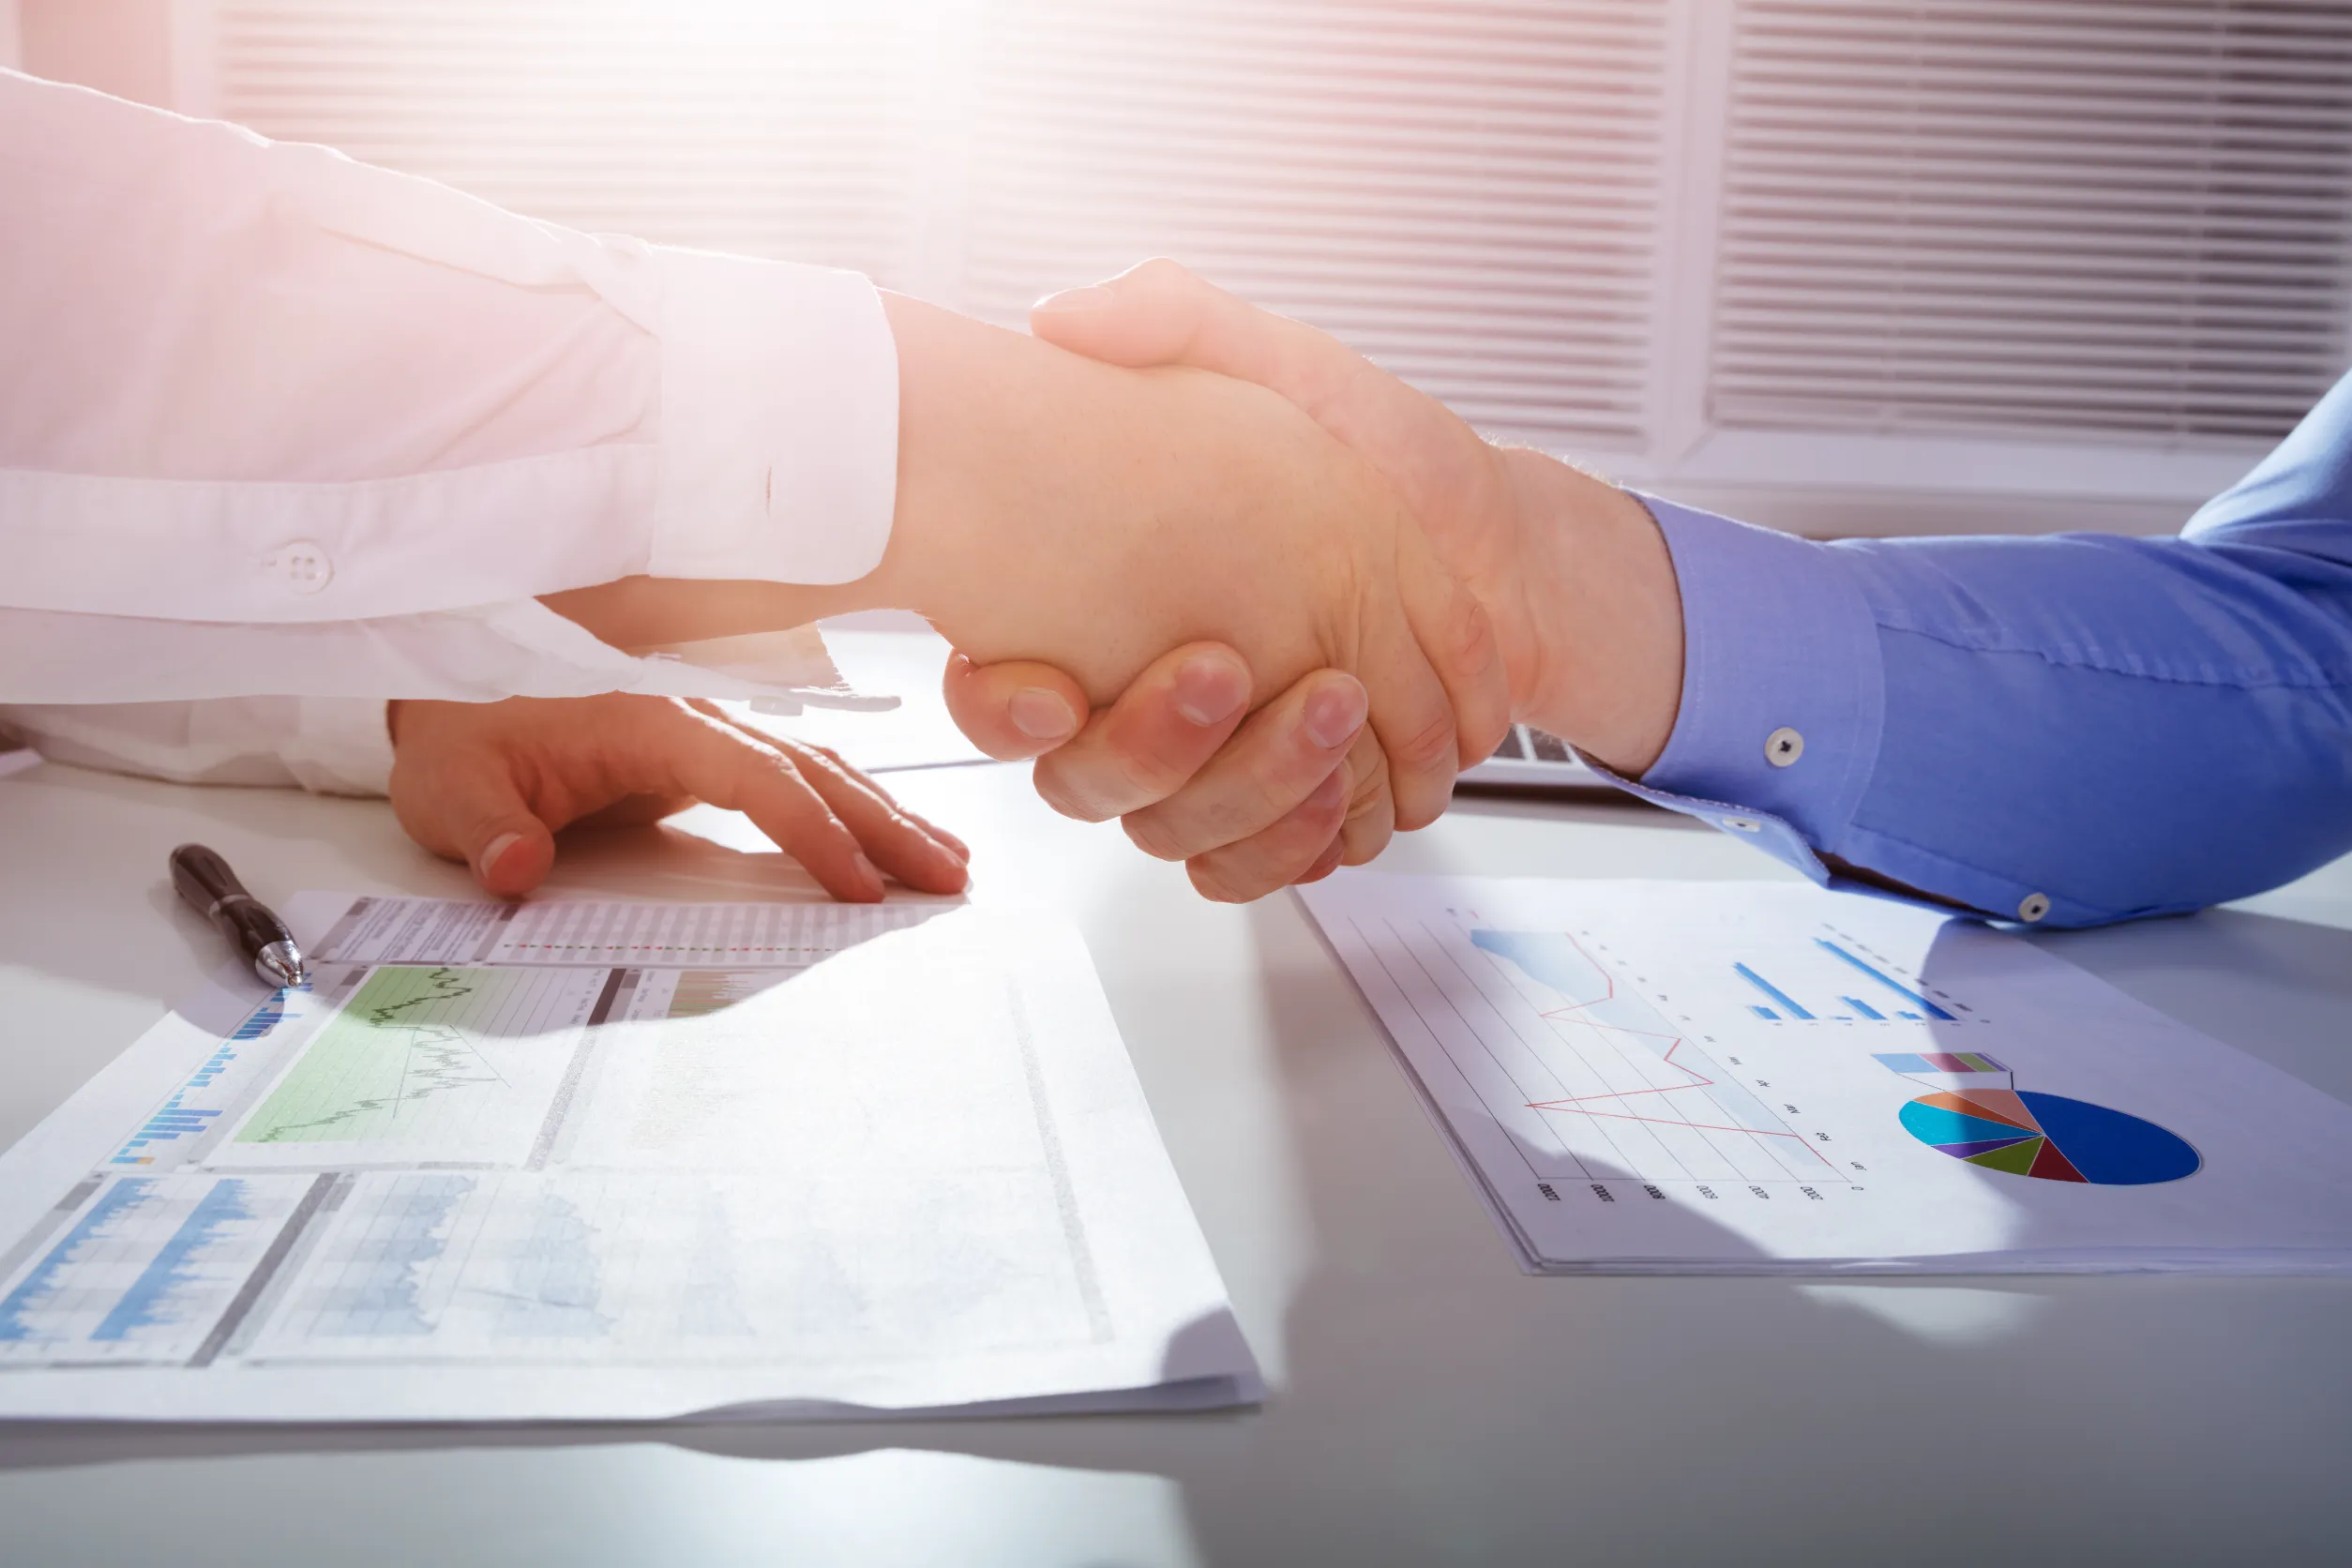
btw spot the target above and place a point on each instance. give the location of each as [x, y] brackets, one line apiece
[492, 783]
[1055, 509]
[1573, 573]
[1293, 765]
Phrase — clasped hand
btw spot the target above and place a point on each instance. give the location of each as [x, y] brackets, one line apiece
[1128, 542]
[1571, 577]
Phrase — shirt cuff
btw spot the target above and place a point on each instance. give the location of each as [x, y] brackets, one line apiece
[779, 421]
[342, 746]
[1783, 693]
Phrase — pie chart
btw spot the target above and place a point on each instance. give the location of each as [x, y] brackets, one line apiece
[2048, 1137]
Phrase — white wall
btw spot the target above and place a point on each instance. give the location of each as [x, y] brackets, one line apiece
[123, 47]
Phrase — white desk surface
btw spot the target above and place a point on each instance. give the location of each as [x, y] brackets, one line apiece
[1431, 1405]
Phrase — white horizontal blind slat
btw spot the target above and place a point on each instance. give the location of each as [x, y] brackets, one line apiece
[790, 131]
[2131, 220]
[1471, 193]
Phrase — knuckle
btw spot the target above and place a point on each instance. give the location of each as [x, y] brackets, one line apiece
[1148, 773]
[1152, 835]
[1214, 879]
[1476, 646]
[1419, 814]
[1428, 747]
[1161, 272]
[1061, 788]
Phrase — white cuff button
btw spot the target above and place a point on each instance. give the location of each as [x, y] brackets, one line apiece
[2033, 907]
[1742, 824]
[302, 566]
[1783, 746]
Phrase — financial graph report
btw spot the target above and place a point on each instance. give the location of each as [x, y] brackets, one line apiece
[873, 1162]
[1734, 1077]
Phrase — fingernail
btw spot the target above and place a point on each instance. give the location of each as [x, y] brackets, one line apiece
[1335, 713]
[1208, 690]
[1041, 715]
[493, 850]
[1093, 298]
[873, 873]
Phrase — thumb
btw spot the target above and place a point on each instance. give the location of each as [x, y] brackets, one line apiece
[1147, 315]
[1015, 710]
[1160, 313]
[477, 814]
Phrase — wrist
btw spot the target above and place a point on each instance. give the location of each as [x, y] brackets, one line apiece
[1597, 618]
[978, 462]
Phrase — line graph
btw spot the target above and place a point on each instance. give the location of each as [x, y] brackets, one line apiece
[424, 1059]
[1687, 1107]
[1586, 1077]
[402, 1018]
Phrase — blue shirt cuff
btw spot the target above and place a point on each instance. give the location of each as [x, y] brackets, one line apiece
[1782, 691]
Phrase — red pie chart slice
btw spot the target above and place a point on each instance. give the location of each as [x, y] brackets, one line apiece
[2051, 1166]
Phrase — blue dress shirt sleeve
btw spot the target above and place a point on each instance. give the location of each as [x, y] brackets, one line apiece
[2069, 729]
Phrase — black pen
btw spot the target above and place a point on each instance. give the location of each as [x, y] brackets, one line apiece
[213, 891]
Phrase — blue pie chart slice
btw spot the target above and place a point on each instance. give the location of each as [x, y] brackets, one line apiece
[2093, 1144]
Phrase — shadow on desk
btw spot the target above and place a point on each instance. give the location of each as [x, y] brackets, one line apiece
[1436, 1404]
[284, 841]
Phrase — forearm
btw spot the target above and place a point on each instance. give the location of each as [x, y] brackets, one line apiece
[2069, 729]
[329, 746]
[256, 387]
[975, 443]
[1047, 506]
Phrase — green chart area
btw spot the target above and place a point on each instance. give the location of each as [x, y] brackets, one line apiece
[412, 1056]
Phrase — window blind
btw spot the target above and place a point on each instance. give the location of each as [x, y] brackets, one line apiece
[1472, 195]
[1749, 244]
[772, 130]
[2125, 217]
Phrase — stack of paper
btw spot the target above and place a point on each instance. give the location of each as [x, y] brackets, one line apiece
[594, 1160]
[1735, 1077]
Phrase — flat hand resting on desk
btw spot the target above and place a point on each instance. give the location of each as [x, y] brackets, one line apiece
[492, 783]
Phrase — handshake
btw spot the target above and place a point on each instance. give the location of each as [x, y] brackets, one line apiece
[1227, 579]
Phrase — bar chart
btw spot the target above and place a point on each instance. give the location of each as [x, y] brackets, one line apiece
[1840, 985]
[146, 1269]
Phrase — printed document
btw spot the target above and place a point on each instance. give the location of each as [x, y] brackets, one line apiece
[1737, 1078]
[588, 1160]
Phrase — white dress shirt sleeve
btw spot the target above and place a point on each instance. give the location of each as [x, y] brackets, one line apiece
[329, 746]
[264, 408]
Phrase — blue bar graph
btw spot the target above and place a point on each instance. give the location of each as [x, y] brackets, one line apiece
[1902, 990]
[1787, 1004]
[1865, 1008]
[155, 1299]
[99, 1224]
[1764, 1013]
[176, 1119]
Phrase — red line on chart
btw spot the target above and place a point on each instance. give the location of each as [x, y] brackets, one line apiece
[1703, 1126]
[1697, 1080]
[1573, 1105]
